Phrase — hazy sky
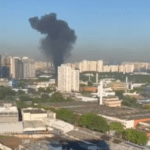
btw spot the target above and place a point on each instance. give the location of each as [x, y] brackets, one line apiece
[106, 29]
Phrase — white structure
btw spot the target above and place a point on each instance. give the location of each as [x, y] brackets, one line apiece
[106, 68]
[83, 66]
[59, 125]
[8, 114]
[24, 90]
[8, 128]
[100, 66]
[100, 92]
[131, 94]
[28, 68]
[114, 68]
[33, 126]
[135, 85]
[96, 77]
[30, 114]
[92, 65]
[68, 79]
[86, 99]
[127, 123]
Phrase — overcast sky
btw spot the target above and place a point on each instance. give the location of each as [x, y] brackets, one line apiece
[116, 30]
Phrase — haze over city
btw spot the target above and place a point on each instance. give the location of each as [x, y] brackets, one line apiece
[108, 30]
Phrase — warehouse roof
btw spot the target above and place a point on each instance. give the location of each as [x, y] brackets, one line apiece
[34, 111]
[33, 125]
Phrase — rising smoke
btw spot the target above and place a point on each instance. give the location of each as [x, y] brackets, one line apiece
[59, 39]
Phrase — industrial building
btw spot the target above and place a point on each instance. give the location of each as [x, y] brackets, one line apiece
[8, 113]
[30, 114]
[35, 126]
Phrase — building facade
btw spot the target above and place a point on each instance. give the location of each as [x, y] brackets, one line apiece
[28, 68]
[68, 79]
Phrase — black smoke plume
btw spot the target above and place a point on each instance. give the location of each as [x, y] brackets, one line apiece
[59, 39]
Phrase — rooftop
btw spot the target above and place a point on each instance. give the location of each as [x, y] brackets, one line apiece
[33, 125]
[34, 111]
[11, 127]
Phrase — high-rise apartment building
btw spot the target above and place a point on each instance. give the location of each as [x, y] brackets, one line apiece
[92, 65]
[114, 68]
[10, 63]
[68, 79]
[129, 68]
[122, 68]
[84, 66]
[42, 65]
[18, 68]
[28, 68]
[106, 68]
[100, 66]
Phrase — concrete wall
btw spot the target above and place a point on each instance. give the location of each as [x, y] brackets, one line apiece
[126, 123]
[38, 116]
[26, 116]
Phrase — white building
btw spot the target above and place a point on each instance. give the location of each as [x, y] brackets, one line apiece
[68, 79]
[129, 68]
[92, 65]
[114, 68]
[106, 68]
[55, 124]
[28, 68]
[84, 66]
[8, 113]
[122, 68]
[100, 66]
[30, 114]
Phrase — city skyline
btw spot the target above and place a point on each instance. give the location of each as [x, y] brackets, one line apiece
[110, 30]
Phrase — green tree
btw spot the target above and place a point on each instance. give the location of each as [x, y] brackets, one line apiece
[82, 85]
[48, 90]
[57, 97]
[25, 98]
[20, 92]
[117, 126]
[41, 90]
[66, 115]
[93, 122]
[21, 84]
[135, 136]
[45, 96]
[119, 94]
[90, 83]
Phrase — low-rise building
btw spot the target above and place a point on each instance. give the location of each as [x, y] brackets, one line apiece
[112, 101]
[30, 114]
[59, 125]
[89, 89]
[34, 126]
[4, 82]
[8, 113]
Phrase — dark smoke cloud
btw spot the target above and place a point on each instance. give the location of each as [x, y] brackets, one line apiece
[59, 39]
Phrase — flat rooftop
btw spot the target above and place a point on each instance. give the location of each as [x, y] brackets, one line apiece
[33, 124]
[34, 111]
[11, 127]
